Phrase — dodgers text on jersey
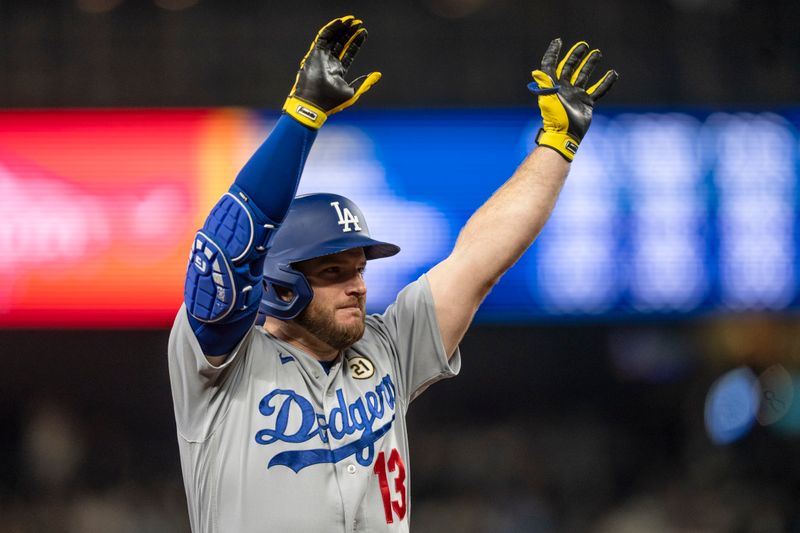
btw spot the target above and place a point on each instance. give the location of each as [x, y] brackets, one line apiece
[343, 420]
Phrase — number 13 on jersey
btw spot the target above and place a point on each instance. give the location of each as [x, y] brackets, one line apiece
[392, 506]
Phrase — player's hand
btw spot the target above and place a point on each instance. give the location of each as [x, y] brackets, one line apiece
[565, 102]
[320, 88]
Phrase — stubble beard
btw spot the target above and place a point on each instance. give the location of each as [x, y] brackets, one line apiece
[321, 323]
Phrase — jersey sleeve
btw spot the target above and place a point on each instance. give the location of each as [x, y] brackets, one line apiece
[412, 329]
[200, 390]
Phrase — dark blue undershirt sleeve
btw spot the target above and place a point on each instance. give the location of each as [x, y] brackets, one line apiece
[270, 179]
[271, 176]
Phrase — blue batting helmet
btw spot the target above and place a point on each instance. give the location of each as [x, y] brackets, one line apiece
[317, 224]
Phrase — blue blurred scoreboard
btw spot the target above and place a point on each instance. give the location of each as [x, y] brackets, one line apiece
[664, 212]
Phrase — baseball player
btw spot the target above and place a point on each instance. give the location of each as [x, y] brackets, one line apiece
[299, 424]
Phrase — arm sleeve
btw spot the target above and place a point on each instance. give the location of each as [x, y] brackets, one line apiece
[412, 328]
[273, 172]
[269, 179]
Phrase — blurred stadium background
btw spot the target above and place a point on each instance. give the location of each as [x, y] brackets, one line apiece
[636, 371]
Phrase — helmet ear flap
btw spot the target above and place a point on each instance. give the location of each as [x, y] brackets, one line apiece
[284, 276]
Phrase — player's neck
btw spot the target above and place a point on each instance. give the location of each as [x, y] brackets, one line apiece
[301, 338]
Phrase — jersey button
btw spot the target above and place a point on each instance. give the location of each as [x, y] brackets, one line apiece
[351, 469]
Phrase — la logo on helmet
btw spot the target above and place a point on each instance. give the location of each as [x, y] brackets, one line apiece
[346, 218]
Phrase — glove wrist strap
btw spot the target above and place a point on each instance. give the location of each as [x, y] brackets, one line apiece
[562, 143]
[305, 113]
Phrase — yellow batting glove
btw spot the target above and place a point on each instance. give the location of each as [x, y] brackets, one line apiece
[564, 101]
[320, 88]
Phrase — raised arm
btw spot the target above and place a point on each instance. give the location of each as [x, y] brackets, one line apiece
[223, 281]
[500, 231]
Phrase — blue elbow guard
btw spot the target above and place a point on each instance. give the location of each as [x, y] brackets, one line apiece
[220, 281]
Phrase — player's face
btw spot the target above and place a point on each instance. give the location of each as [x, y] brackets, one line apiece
[336, 314]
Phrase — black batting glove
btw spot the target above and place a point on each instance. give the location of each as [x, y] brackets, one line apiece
[320, 88]
[564, 101]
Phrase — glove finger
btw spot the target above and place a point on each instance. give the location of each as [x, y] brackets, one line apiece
[581, 76]
[543, 80]
[345, 36]
[571, 60]
[332, 33]
[364, 83]
[353, 26]
[346, 32]
[339, 38]
[352, 46]
[550, 57]
[326, 36]
[599, 89]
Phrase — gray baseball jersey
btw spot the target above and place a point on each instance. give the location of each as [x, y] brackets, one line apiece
[270, 442]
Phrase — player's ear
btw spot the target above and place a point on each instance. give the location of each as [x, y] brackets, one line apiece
[283, 293]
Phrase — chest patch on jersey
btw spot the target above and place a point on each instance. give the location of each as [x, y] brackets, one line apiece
[361, 367]
[350, 429]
